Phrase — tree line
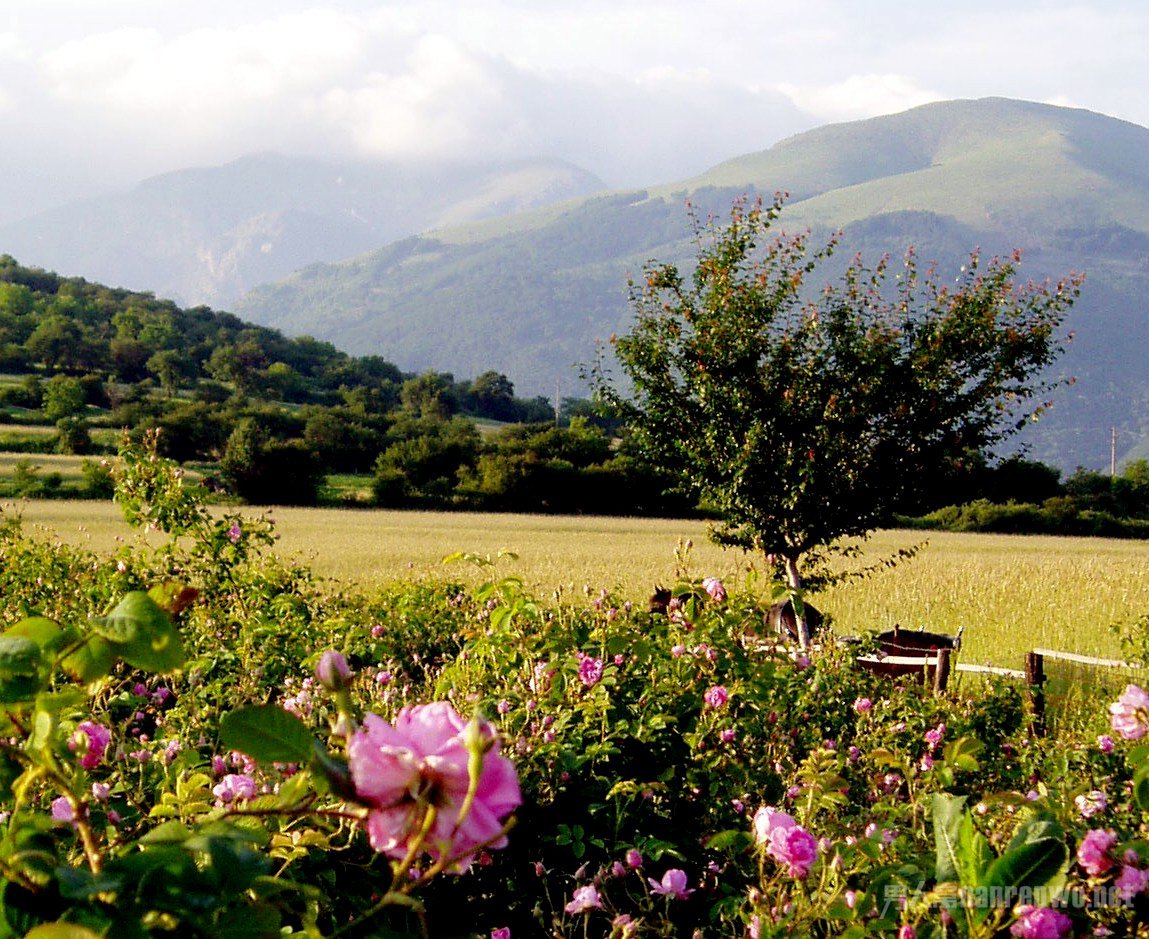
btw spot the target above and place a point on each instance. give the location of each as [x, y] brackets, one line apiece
[270, 419]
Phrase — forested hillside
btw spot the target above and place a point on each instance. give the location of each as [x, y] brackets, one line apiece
[531, 294]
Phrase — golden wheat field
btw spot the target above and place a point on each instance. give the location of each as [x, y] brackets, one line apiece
[1012, 593]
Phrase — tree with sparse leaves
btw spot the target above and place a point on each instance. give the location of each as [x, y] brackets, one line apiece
[803, 416]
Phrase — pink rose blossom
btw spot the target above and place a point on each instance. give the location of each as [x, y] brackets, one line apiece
[907, 932]
[589, 670]
[584, 900]
[1131, 882]
[862, 705]
[1129, 714]
[935, 736]
[333, 672]
[713, 586]
[421, 762]
[62, 811]
[633, 859]
[673, 884]
[92, 740]
[785, 841]
[1105, 743]
[1093, 852]
[503, 932]
[716, 696]
[1040, 923]
[234, 787]
[1089, 804]
[234, 533]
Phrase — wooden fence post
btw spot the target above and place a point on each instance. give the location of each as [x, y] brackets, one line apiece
[942, 673]
[1035, 678]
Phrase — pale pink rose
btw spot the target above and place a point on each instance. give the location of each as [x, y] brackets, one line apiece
[673, 884]
[1040, 922]
[862, 705]
[1129, 714]
[421, 761]
[713, 586]
[234, 787]
[584, 900]
[1131, 882]
[1093, 852]
[62, 811]
[785, 841]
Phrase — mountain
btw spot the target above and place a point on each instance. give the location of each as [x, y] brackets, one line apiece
[532, 293]
[208, 235]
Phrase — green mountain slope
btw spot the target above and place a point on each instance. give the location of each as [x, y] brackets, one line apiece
[208, 235]
[531, 294]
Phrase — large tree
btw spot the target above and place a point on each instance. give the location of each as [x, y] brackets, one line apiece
[804, 414]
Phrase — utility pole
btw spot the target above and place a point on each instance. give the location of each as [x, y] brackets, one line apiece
[1112, 452]
[557, 402]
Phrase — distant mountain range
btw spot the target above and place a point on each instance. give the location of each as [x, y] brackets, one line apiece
[205, 236]
[524, 268]
[530, 294]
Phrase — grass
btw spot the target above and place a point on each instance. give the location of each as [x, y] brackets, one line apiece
[1011, 593]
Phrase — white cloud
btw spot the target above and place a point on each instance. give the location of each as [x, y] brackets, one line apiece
[641, 91]
[859, 96]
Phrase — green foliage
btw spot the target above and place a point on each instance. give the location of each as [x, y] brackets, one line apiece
[803, 418]
[611, 715]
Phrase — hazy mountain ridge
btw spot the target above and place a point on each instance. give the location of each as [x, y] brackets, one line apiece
[208, 235]
[531, 294]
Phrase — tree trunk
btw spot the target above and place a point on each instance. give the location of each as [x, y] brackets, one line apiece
[794, 582]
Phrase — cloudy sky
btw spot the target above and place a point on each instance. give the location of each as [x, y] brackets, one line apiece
[98, 94]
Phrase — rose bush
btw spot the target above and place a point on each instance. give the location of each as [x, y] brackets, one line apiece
[200, 740]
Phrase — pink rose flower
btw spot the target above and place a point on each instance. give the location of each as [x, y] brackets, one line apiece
[673, 884]
[503, 932]
[62, 811]
[234, 787]
[716, 696]
[333, 672]
[935, 736]
[862, 705]
[785, 841]
[1129, 714]
[1131, 882]
[584, 900]
[1040, 922]
[589, 670]
[422, 762]
[1093, 852]
[1089, 804]
[92, 741]
[1105, 743]
[713, 586]
[633, 858]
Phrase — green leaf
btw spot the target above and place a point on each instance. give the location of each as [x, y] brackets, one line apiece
[963, 753]
[61, 931]
[142, 634]
[947, 817]
[1141, 786]
[267, 734]
[735, 839]
[41, 630]
[1035, 858]
[91, 661]
[975, 854]
[19, 656]
[173, 832]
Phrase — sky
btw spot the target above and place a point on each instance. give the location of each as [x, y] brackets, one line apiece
[96, 95]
